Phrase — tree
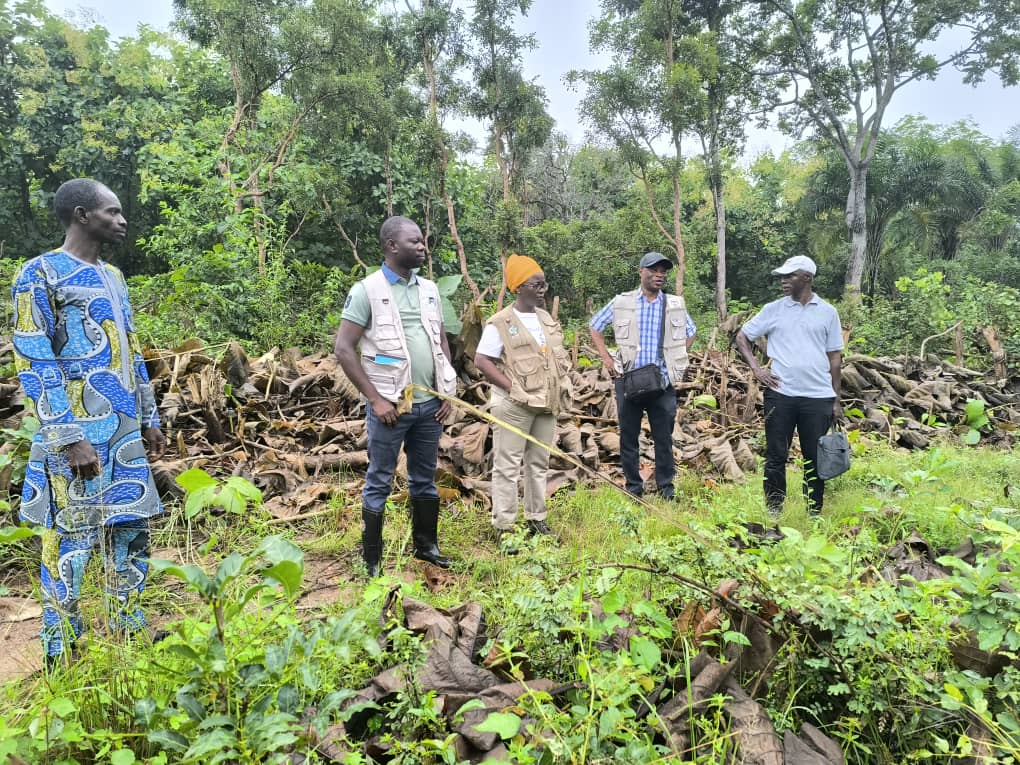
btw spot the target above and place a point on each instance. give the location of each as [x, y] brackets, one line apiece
[75, 105]
[318, 53]
[436, 31]
[906, 173]
[513, 107]
[646, 100]
[843, 57]
[728, 97]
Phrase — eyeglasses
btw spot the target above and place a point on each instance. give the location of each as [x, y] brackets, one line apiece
[537, 286]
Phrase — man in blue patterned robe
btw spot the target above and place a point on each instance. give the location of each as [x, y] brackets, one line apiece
[79, 361]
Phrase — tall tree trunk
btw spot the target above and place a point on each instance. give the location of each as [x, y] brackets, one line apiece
[713, 164]
[428, 62]
[388, 170]
[504, 171]
[720, 251]
[678, 240]
[681, 254]
[857, 222]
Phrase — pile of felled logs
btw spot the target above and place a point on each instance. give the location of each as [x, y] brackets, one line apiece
[288, 419]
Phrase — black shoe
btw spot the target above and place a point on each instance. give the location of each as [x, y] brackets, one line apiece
[424, 530]
[503, 542]
[371, 541]
[540, 528]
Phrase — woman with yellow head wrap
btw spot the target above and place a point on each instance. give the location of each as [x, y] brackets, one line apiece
[522, 356]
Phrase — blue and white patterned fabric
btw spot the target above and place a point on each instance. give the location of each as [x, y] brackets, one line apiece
[125, 548]
[80, 364]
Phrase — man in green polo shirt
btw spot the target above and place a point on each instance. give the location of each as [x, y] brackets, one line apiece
[391, 336]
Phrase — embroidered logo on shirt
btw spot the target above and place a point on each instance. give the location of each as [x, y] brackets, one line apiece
[513, 330]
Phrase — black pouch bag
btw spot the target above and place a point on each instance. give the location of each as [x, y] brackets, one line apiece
[643, 384]
[646, 383]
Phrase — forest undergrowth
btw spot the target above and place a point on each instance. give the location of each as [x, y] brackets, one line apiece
[893, 621]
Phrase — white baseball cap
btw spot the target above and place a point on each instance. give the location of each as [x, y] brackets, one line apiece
[796, 263]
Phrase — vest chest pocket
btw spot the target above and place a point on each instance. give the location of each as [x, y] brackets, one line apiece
[622, 328]
[385, 333]
[562, 360]
[436, 327]
[678, 328]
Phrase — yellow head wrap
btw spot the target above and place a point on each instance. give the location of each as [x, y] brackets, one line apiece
[520, 268]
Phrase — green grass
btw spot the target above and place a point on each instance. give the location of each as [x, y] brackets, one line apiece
[536, 602]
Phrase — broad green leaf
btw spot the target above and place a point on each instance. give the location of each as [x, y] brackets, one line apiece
[613, 601]
[503, 724]
[16, 533]
[228, 569]
[644, 652]
[122, 757]
[608, 721]
[61, 707]
[953, 691]
[972, 437]
[448, 284]
[191, 573]
[244, 488]
[733, 636]
[276, 549]
[168, 740]
[198, 500]
[191, 705]
[195, 479]
[218, 745]
[231, 501]
[706, 400]
[288, 574]
[974, 409]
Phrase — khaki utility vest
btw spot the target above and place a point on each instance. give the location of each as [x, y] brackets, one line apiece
[384, 337]
[628, 334]
[540, 380]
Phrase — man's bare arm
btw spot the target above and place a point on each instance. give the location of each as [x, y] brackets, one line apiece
[346, 350]
[600, 345]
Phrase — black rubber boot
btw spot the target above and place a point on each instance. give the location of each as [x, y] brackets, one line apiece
[424, 525]
[371, 541]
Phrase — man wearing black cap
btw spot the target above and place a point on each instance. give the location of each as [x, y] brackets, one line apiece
[650, 328]
[805, 345]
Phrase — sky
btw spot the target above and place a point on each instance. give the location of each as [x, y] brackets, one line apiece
[561, 32]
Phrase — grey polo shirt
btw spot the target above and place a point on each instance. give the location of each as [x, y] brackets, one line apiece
[799, 339]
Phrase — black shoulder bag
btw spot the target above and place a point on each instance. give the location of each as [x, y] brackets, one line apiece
[645, 383]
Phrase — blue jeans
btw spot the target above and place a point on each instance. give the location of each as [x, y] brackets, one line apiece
[418, 431]
[661, 419]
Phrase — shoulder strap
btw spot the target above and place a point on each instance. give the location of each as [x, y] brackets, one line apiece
[662, 324]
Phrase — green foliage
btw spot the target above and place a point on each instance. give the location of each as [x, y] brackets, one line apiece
[203, 491]
[241, 699]
[924, 307]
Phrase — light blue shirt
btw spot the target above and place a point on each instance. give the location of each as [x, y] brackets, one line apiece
[800, 337]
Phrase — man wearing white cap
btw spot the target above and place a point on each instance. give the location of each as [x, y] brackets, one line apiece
[805, 344]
